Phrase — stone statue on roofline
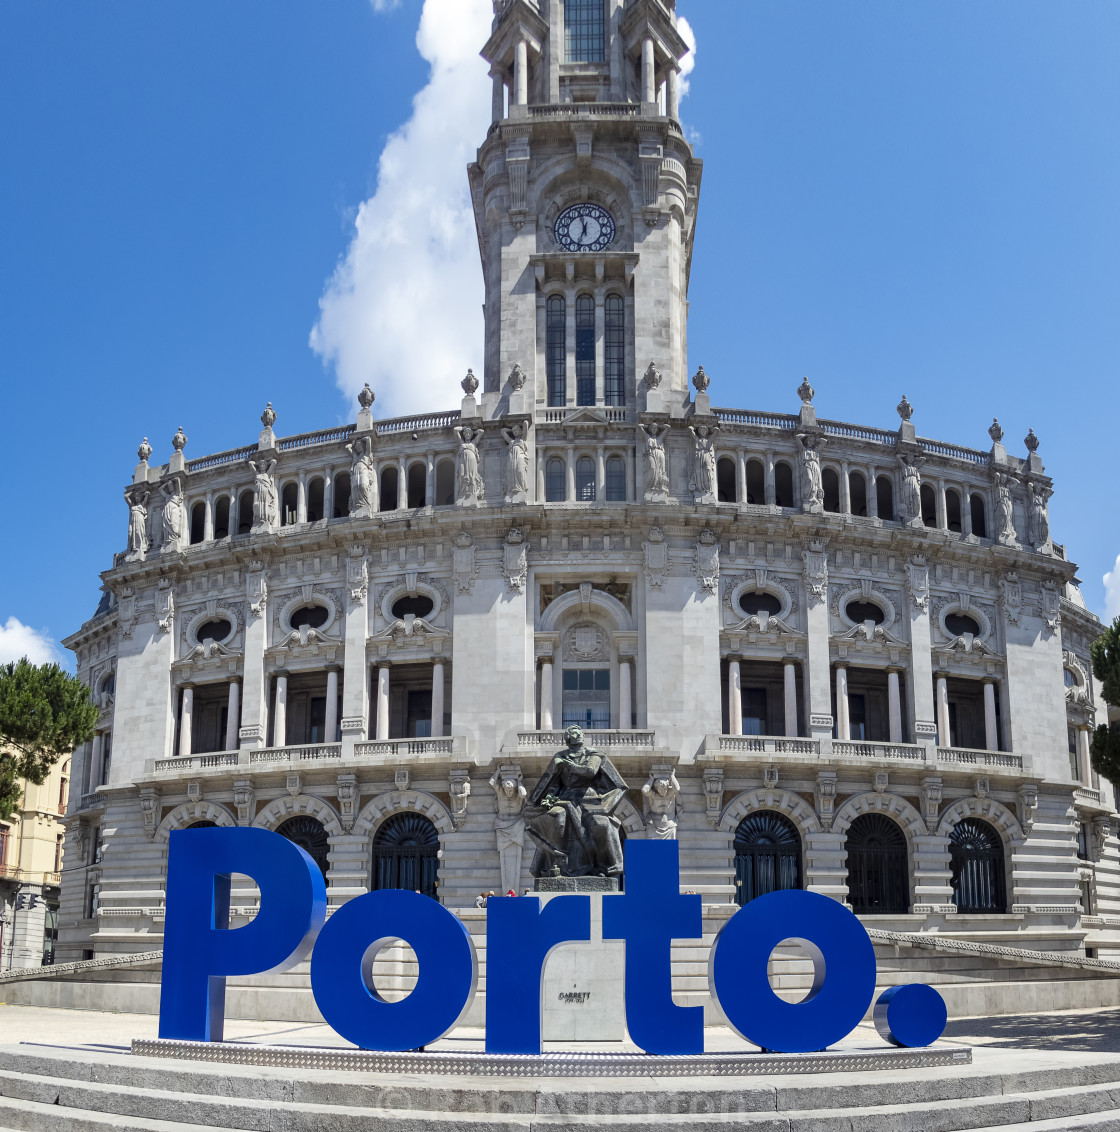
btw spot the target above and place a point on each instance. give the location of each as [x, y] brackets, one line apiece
[571, 814]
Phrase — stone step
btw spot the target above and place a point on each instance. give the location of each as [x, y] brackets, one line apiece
[34, 1116]
[1091, 1122]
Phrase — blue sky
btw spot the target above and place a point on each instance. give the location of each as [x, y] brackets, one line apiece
[913, 198]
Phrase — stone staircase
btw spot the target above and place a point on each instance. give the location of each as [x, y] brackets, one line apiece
[50, 1089]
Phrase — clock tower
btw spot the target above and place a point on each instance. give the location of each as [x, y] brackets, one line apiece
[585, 194]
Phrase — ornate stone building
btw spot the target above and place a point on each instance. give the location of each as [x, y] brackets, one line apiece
[819, 653]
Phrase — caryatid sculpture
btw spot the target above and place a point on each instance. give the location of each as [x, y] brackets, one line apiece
[704, 461]
[363, 479]
[172, 492]
[910, 500]
[509, 826]
[1005, 512]
[1038, 518]
[657, 469]
[265, 511]
[660, 794]
[516, 437]
[137, 500]
[812, 484]
[469, 488]
[571, 814]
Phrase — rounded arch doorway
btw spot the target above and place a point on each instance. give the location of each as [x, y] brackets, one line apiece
[976, 860]
[406, 855]
[310, 835]
[878, 867]
[767, 855]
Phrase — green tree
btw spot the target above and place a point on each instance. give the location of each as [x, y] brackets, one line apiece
[1105, 745]
[44, 714]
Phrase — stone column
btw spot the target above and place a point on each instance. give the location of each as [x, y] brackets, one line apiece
[845, 490]
[940, 508]
[625, 695]
[95, 761]
[430, 479]
[330, 722]
[600, 475]
[571, 381]
[872, 495]
[1084, 759]
[741, 476]
[673, 97]
[521, 73]
[280, 711]
[991, 731]
[942, 704]
[843, 726]
[966, 511]
[233, 714]
[382, 701]
[301, 498]
[402, 483]
[771, 493]
[437, 697]
[600, 348]
[570, 475]
[734, 698]
[628, 460]
[894, 705]
[498, 97]
[540, 475]
[186, 710]
[649, 89]
[208, 518]
[546, 694]
[789, 679]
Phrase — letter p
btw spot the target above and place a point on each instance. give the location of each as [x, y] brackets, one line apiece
[199, 947]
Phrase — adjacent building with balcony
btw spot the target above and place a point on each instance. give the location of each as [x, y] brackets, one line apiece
[820, 654]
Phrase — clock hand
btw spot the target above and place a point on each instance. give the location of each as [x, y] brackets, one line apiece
[583, 228]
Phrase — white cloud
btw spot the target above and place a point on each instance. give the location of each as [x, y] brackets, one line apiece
[403, 309]
[689, 61]
[1112, 592]
[18, 640]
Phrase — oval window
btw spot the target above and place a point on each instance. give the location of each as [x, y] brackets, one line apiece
[418, 606]
[958, 624]
[310, 615]
[216, 630]
[861, 611]
[759, 602]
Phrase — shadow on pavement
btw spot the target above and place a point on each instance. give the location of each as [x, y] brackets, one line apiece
[1095, 1032]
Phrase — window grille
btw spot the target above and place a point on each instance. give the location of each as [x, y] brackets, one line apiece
[406, 855]
[614, 384]
[878, 876]
[584, 31]
[976, 859]
[556, 354]
[767, 855]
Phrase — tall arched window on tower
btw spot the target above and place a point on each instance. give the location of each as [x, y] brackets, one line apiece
[585, 350]
[614, 352]
[556, 354]
[584, 31]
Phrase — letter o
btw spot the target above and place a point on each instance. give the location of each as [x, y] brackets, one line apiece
[843, 971]
[444, 986]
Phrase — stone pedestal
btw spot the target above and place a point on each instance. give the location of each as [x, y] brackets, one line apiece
[582, 983]
[577, 884]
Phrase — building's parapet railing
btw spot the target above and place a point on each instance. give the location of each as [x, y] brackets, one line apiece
[389, 749]
[52, 878]
[10, 872]
[979, 758]
[418, 424]
[323, 436]
[954, 451]
[615, 414]
[57, 970]
[617, 738]
[768, 745]
[233, 456]
[859, 432]
[195, 762]
[928, 941]
[586, 110]
[1087, 794]
[92, 799]
[756, 418]
[296, 754]
[912, 752]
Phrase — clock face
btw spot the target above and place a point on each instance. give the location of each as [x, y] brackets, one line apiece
[584, 228]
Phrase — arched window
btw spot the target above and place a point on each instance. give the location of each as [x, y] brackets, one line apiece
[767, 855]
[756, 482]
[555, 485]
[616, 480]
[445, 483]
[585, 350]
[857, 493]
[979, 516]
[205, 823]
[976, 858]
[953, 511]
[406, 854]
[614, 352]
[288, 504]
[198, 522]
[315, 494]
[585, 479]
[341, 506]
[929, 505]
[244, 512]
[556, 350]
[221, 517]
[725, 480]
[884, 497]
[830, 481]
[389, 480]
[878, 869]
[584, 31]
[308, 833]
[783, 484]
[417, 485]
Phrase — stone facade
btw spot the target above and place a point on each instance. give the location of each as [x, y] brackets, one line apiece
[749, 612]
